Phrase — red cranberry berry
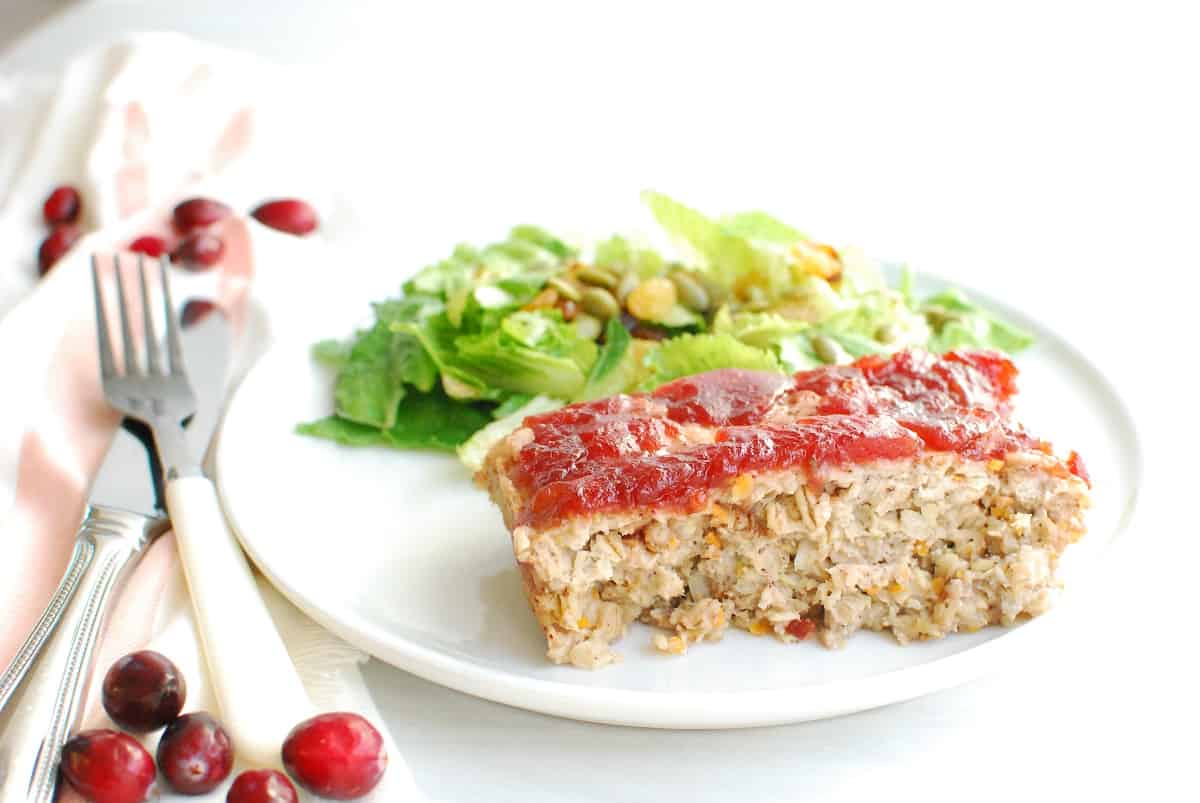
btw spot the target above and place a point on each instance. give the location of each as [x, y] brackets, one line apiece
[196, 310]
[149, 245]
[195, 754]
[195, 213]
[143, 691]
[57, 243]
[199, 252]
[261, 786]
[287, 214]
[108, 767]
[62, 206]
[339, 756]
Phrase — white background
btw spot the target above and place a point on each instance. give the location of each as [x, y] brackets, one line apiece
[1047, 153]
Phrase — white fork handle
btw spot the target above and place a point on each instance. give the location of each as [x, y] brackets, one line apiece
[260, 694]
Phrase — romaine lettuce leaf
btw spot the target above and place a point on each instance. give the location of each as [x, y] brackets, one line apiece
[332, 353]
[421, 421]
[615, 368]
[960, 323]
[531, 352]
[626, 254]
[510, 405]
[796, 354]
[437, 336]
[543, 239]
[693, 354]
[760, 329]
[373, 376]
[727, 257]
[480, 285]
[761, 226]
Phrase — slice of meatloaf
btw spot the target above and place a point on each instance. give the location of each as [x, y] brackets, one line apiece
[892, 494]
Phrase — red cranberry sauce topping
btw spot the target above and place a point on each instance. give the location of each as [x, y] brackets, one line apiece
[627, 452]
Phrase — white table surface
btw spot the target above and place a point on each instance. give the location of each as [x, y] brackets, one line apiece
[1047, 154]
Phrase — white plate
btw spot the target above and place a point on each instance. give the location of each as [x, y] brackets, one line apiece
[398, 553]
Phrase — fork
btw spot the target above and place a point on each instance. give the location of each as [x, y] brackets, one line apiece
[256, 684]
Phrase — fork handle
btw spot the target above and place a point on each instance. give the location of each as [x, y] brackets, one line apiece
[42, 688]
[256, 684]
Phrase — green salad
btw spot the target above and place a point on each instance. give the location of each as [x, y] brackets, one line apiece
[477, 342]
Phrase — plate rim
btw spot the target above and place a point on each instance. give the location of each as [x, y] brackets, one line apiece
[731, 708]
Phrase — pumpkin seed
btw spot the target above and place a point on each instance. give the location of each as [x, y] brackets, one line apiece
[756, 298]
[598, 277]
[888, 333]
[565, 287]
[587, 327]
[829, 350]
[599, 302]
[691, 293]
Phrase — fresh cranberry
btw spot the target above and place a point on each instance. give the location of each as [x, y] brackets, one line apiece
[57, 243]
[149, 245]
[197, 212]
[196, 310]
[143, 691]
[200, 251]
[261, 786]
[108, 767]
[287, 214]
[339, 756]
[62, 206]
[195, 753]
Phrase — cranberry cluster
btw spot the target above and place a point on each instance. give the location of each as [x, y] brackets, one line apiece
[339, 755]
[198, 247]
[60, 211]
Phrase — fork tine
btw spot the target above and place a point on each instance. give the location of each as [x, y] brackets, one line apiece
[133, 366]
[153, 356]
[173, 347]
[107, 363]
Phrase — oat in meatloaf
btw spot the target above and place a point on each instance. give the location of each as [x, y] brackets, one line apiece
[893, 494]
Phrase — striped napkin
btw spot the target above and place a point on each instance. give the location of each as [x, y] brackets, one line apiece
[137, 126]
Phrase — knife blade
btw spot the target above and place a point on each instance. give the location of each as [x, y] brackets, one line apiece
[41, 690]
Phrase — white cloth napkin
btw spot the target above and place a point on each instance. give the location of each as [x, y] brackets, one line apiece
[138, 126]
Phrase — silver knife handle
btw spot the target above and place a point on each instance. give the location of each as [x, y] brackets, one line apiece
[41, 689]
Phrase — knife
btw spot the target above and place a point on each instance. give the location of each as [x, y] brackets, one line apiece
[42, 689]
